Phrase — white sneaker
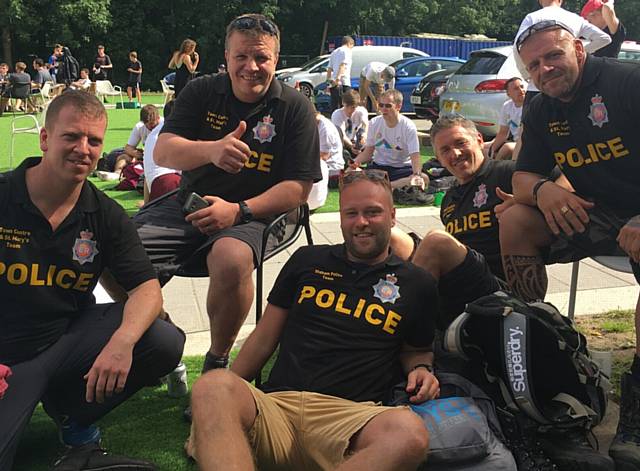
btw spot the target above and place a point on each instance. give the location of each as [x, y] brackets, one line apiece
[107, 176]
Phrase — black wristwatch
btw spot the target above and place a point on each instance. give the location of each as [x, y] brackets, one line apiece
[245, 213]
[423, 365]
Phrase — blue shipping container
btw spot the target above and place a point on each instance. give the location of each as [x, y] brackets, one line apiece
[443, 47]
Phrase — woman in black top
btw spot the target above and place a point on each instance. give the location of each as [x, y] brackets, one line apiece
[185, 61]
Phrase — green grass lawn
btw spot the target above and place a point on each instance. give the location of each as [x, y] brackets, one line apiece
[149, 425]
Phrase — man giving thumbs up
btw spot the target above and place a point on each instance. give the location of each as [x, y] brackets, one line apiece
[249, 147]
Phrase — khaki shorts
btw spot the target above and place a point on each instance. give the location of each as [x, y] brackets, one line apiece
[304, 430]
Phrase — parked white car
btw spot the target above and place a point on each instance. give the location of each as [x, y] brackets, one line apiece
[476, 90]
[307, 79]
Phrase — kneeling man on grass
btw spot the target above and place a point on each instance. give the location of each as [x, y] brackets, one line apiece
[58, 234]
[350, 320]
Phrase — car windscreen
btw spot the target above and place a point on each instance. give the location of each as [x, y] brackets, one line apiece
[312, 62]
[482, 63]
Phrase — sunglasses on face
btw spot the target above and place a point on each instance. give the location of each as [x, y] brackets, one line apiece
[536, 28]
[372, 175]
[251, 23]
[385, 105]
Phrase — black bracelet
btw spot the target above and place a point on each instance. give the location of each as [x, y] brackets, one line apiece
[536, 188]
[423, 365]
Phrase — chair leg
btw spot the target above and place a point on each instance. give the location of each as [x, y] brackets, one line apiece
[258, 378]
[307, 226]
[573, 289]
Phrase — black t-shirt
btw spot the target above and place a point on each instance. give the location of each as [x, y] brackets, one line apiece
[47, 278]
[133, 77]
[594, 139]
[281, 132]
[613, 48]
[346, 322]
[99, 62]
[467, 211]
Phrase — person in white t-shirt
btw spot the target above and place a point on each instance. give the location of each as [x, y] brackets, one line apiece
[149, 119]
[373, 78]
[552, 10]
[502, 147]
[352, 120]
[339, 71]
[158, 180]
[331, 161]
[392, 143]
[83, 83]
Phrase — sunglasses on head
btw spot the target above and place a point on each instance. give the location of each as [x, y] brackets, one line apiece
[536, 28]
[249, 22]
[372, 175]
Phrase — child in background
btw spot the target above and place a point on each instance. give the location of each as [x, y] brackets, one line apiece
[135, 77]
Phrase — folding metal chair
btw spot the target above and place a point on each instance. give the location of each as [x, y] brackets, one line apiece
[617, 263]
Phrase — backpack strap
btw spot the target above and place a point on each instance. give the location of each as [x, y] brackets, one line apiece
[516, 356]
[577, 408]
[452, 341]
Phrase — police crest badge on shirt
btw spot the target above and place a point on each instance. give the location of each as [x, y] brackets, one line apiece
[598, 113]
[386, 290]
[264, 130]
[85, 249]
[481, 196]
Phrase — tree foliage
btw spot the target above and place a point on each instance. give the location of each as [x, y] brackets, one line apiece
[155, 28]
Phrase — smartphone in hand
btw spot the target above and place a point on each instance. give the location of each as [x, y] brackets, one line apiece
[194, 203]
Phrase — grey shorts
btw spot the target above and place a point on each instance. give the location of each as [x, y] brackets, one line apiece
[175, 247]
[598, 239]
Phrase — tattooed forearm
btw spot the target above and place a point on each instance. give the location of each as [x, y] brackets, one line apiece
[526, 276]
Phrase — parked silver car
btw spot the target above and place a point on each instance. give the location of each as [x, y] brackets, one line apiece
[476, 90]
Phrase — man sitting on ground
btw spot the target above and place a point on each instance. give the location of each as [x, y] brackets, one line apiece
[350, 320]
[584, 121]
[158, 180]
[149, 119]
[504, 144]
[393, 146]
[83, 83]
[81, 359]
[352, 120]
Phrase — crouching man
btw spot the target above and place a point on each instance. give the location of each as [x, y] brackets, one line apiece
[58, 234]
[350, 320]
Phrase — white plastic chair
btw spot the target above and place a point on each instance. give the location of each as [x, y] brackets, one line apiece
[25, 124]
[44, 97]
[616, 262]
[106, 88]
[167, 90]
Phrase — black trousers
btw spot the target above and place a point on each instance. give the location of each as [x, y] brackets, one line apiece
[336, 96]
[55, 376]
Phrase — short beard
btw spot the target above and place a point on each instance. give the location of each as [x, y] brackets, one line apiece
[381, 246]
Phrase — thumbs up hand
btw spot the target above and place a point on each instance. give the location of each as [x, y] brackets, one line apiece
[230, 152]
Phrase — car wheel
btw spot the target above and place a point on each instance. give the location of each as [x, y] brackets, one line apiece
[306, 90]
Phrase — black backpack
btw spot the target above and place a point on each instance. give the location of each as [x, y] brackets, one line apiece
[537, 358]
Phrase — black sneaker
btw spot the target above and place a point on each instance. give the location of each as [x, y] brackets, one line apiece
[571, 451]
[92, 457]
[625, 449]
[520, 438]
[210, 363]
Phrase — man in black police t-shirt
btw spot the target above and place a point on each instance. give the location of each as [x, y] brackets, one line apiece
[584, 121]
[57, 234]
[249, 146]
[465, 258]
[349, 319]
